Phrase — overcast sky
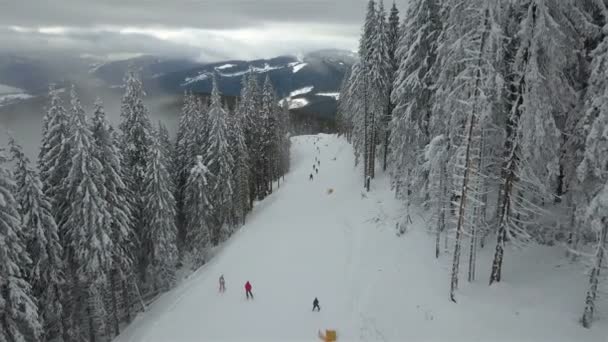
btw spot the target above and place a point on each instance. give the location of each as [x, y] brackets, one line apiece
[206, 30]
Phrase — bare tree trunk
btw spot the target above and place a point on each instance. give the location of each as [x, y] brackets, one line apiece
[126, 300]
[440, 212]
[462, 206]
[587, 319]
[115, 318]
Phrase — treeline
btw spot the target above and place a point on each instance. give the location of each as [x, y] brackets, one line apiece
[102, 225]
[493, 115]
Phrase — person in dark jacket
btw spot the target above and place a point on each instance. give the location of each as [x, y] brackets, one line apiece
[310, 178]
[248, 292]
[222, 284]
[315, 305]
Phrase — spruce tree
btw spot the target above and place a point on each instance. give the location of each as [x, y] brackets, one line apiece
[220, 162]
[160, 235]
[116, 195]
[54, 158]
[199, 210]
[89, 244]
[136, 141]
[20, 319]
[184, 160]
[47, 273]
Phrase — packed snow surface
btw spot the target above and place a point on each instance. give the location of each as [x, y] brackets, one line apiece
[326, 238]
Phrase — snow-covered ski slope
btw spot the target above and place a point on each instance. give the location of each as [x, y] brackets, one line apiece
[302, 242]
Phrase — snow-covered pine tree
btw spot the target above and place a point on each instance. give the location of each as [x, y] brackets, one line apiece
[168, 151]
[46, 275]
[20, 319]
[243, 158]
[240, 173]
[412, 97]
[136, 140]
[54, 158]
[160, 235]
[471, 82]
[366, 49]
[577, 126]
[269, 137]
[201, 133]
[284, 141]
[198, 208]
[220, 162]
[380, 77]
[392, 44]
[343, 116]
[116, 195]
[353, 105]
[593, 176]
[183, 161]
[253, 136]
[541, 92]
[435, 160]
[388, 32]
[89, 246]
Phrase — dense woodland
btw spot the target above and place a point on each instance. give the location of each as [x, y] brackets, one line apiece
[493, 116]
[101, 225]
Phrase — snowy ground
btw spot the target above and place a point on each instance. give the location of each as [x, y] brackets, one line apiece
[302, 242]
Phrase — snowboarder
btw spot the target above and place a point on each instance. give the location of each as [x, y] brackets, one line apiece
[310, 178]
[222, 284]
[248, 292]
[315, 305]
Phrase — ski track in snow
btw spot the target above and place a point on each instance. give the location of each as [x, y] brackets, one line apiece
[302, 242]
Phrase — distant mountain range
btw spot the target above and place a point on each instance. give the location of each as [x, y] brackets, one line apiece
[311, 80]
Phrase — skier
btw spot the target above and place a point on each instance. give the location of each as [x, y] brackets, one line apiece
[315, 305]
[319, 162]
[317, 170]
[248, 290]
[310, 178]
[222, 284]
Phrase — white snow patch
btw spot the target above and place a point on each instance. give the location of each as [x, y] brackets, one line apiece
[299, 67]
[10, 95]
[6, 89]
[298, 103]
[305, 241]
[301, 91]
[225, 66]
[266, 68]
[334, 95]
[6, 99]
[195, 79]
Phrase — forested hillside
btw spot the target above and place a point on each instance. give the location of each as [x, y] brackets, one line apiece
[492, 115]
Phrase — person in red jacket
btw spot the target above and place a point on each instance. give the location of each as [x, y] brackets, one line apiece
[248, 292]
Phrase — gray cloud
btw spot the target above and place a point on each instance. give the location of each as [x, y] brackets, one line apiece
[203, 29]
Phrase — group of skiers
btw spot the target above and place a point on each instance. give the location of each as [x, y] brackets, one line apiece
[316, 164]
[249, 294]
